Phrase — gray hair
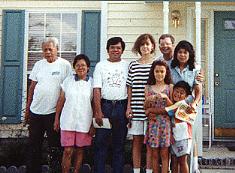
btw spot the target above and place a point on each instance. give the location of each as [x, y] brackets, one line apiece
[53, 40]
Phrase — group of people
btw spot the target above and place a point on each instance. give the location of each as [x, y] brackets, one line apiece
[63, 103]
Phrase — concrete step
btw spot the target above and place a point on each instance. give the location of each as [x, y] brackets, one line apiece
[217, 163]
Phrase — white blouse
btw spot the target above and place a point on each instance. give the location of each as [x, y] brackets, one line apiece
[77, 111]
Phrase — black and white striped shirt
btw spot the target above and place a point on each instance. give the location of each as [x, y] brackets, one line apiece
[137, 79]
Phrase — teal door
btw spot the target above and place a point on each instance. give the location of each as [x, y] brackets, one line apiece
[224, 74]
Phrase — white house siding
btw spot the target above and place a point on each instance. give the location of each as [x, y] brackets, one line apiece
[129, 19]
[13, 131]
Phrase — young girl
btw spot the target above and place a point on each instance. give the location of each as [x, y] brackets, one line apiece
[182, 131]
[158, 134]
[136, 81]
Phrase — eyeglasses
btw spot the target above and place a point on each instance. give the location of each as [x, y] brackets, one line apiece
[80, 66]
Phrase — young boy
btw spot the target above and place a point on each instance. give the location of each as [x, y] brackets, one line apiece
[181, 130]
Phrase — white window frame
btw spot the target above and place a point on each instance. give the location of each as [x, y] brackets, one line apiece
[79, 28]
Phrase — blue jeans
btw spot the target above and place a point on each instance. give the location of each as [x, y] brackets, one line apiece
[116, 114]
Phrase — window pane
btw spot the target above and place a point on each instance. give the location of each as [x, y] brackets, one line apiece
[229, 24]
[69, 23]
[53, 23]
[33, 58]
[36, 31]
[69, 56]
[69, 42]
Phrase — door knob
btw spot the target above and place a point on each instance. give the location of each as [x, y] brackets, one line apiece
[216, 83]
[216, 74]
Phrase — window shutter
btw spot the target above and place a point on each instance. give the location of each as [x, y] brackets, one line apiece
[11, 75]
[91, 36]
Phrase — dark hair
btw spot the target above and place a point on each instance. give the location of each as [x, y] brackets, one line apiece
[184, 85]
[152, 80]
[189, 48]
[142, 39]
[80, 57]
[163, 36]
[115, 40]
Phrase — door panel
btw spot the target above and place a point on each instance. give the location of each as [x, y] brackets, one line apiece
[224, 77]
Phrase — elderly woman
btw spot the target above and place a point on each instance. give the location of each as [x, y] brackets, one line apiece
[75, 107]
[46, 77]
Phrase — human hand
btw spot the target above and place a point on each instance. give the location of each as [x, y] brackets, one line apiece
[56, 124]
[91, 131]
[99, 118]
[147, 112]
[99, 121]
[192, 108]
[26, 118]
[129, 113]
[150, 98]
[200, 77]
[152, 117]
[162, 95]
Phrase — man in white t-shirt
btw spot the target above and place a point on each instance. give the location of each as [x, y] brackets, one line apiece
[110, 98]
[46, 78]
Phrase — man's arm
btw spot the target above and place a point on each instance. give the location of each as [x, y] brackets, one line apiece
[59, 107]
[98, 112]
[29, 101]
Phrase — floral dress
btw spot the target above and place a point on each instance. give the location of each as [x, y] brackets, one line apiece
[159, 129]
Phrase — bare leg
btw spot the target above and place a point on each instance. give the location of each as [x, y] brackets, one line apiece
[155, 160]
[66, 160]
[149, 157]
[183, 164]
[165, 159]
[78, 159]
[136, 150]
[175, 165]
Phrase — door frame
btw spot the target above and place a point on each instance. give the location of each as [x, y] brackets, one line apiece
[212, 11]
[208, 12]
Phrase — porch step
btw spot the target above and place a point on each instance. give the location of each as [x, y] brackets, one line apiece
[217, 163]
[219, 155]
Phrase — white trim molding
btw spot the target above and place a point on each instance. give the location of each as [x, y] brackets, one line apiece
[165, 17]
[103, 30]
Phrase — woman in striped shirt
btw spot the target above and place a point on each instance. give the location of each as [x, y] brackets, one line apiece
[137, 79]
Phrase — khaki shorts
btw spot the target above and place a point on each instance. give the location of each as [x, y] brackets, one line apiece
[180, 148]
[137, 128]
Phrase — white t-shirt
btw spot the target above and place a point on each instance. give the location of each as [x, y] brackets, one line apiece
[77, 111]
[111, 78]
[49, 77]
[162, 59]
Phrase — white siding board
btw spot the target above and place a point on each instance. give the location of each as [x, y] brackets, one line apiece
[133, 30]
[140, 7]
[135, 22]
[130, 38]
[135, 15]
[50, 4]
